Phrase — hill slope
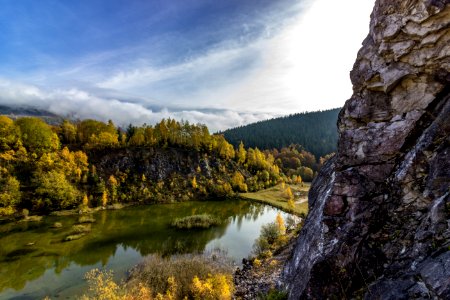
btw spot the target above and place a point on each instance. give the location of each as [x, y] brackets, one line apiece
[316, 131]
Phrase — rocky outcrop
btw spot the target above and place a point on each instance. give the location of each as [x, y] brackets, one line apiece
[379, 224]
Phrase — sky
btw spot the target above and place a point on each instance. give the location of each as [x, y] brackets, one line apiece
[221, 63]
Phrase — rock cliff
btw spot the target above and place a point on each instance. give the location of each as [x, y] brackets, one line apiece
[379, 225]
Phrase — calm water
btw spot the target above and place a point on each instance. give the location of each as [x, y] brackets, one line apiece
[34, 262]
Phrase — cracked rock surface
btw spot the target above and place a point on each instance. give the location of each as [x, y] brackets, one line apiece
[379, 221]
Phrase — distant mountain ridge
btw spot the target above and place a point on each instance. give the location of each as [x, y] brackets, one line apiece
[315, 131]
[15, 112]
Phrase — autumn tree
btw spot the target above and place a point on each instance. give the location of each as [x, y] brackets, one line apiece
[291, 204]
[238, 182]
[9, 133]
[241, 154]
[37, 136]
[96, 133]
[194, 183]
[288, 193]
[54, 191]
[104, 198]
[112, 184]
[280, 224]
[68, 132]
[85, 201]
[10, 194]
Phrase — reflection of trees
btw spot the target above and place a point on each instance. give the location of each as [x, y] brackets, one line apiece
[145, 229]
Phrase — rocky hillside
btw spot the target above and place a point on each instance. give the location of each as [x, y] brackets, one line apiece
[379, 222]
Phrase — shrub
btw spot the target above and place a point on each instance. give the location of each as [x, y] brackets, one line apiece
[270, 232]
[260, 246]
[195, 221]
[207, 268]
[217, 286]
[274, 294]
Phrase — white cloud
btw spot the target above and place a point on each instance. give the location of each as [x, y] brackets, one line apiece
[306, 66]
[302, 63]
[302, 67]
[81, 104]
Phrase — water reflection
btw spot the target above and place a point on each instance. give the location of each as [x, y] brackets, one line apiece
[33, 255]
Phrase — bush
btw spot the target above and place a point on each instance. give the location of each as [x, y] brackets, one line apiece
[275, 295]
[217, 286]
[260, 246]
[270, 232]
[207, 268]
[195, 221]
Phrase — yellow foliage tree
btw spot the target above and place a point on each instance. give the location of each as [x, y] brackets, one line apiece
[238, 182]
[104, 198]
[291, 204]
[288, 193]
[85, 201]
[280, 224]
[194, 183]
[241, 154]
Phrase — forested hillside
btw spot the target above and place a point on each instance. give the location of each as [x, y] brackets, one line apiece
[315, 131]
[90, 163]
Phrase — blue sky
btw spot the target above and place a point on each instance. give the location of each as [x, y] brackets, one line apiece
[223, 63]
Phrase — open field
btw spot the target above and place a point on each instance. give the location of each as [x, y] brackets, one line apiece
[275, 196]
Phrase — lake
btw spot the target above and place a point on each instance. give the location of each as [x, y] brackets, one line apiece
[35, 262]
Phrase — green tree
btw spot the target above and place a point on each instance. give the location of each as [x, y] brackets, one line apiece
[54, 191]
[37, 136]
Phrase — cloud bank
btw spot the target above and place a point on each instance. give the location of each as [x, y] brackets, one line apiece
[298, 61]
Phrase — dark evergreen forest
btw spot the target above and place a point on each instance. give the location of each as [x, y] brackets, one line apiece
[315, 131]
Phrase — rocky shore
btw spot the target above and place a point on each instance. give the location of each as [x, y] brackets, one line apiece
[254, 280]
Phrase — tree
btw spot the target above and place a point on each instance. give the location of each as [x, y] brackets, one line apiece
[9, 133]
[37, 136]
[104, 198]
[241, 154]
[288, 193]
[9, 190]
[280, 224]
[68, 132]
[291, 204]
[112, 183]
[238, 182]
[306, 173]
[54, 191]
[194, 183]
[85, 201]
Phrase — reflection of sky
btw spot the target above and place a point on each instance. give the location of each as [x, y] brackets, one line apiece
[241, 233]
[108, 251]
[70, 282]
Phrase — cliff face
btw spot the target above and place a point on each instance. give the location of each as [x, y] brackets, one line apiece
[379, 224]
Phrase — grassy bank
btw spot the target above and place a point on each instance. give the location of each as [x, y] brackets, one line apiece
[275, 196]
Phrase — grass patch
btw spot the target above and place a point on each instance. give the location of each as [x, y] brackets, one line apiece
[275, 196]
[196, 221]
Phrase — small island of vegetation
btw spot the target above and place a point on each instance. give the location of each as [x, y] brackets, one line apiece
[195, 222]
